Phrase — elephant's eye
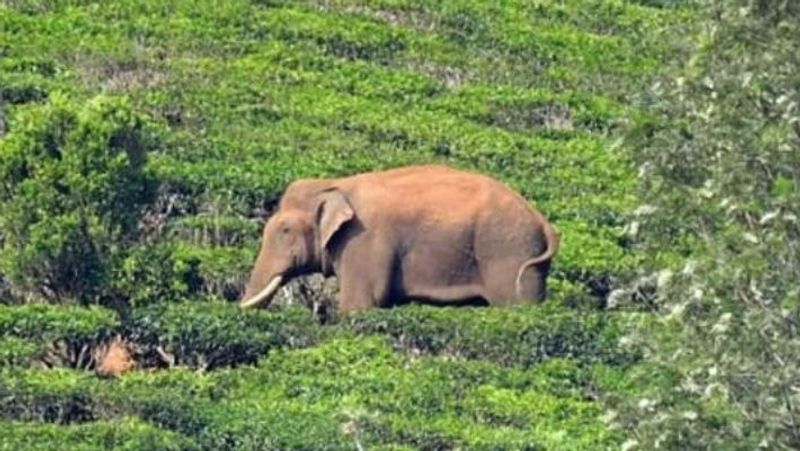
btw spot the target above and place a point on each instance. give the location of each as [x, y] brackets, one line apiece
[285, 230]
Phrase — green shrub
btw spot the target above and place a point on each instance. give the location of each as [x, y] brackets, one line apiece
[74, 186]
[123, 434]
[334, 395]
[15, 351]
[179, 399]
[379, 398]
[218, 271]
[207, 335]
[22, 93]
[665, 3]
[249, 425]
[339, 35]
[152, 273]
[54, 395]
[524, 335]
[49, 323]
[174, 399]
[588, 254]
[215, 230]
[55, 335]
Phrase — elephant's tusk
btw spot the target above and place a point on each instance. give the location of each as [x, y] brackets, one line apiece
[264, 294]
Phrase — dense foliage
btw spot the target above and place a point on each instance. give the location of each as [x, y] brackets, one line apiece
[142, 144]
[353, 387]
[73, 190]
[257, 95]
[721, 172]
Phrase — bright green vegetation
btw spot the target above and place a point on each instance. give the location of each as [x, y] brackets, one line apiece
[256, 95]
[214, 109]
[142, 142]
[408, 378]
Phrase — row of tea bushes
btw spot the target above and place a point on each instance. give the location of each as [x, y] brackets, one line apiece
[123, 434]
[212, 334]
[344, 392]
[335, 395]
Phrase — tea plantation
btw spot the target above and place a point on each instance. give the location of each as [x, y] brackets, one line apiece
[143, 143]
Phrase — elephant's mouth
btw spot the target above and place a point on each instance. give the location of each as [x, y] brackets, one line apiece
[264, 295]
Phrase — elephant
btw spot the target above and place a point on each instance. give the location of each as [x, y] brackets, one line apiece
[428, 233]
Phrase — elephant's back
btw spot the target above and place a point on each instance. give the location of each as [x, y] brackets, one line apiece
[426, 192]
[457, 202]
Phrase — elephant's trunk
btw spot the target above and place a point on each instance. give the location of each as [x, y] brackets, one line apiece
[264, 295]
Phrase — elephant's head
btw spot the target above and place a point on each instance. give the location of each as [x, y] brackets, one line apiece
[296, 239]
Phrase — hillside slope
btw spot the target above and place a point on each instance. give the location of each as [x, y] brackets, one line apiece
[247, 96]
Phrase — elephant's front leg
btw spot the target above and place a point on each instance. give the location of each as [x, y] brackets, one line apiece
[365, 276]
[355, 295]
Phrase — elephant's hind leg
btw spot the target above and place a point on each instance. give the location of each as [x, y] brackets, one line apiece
[500, 282]
[533, 284]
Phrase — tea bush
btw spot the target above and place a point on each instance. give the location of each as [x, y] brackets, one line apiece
[127, 434]
[207, 335]
[178, 399]
[63, 335]
[15, 351]
[53, 395]
[153, 272]
[522, 336]
[47, 323]
[74, 184]
[335, 395]
[175, 271]
[376, 397]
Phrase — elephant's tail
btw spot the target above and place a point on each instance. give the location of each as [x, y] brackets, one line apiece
[552, 239]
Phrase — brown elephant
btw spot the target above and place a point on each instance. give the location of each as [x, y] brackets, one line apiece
[428, 233]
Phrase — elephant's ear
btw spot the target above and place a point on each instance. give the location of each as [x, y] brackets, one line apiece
[334, 212]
